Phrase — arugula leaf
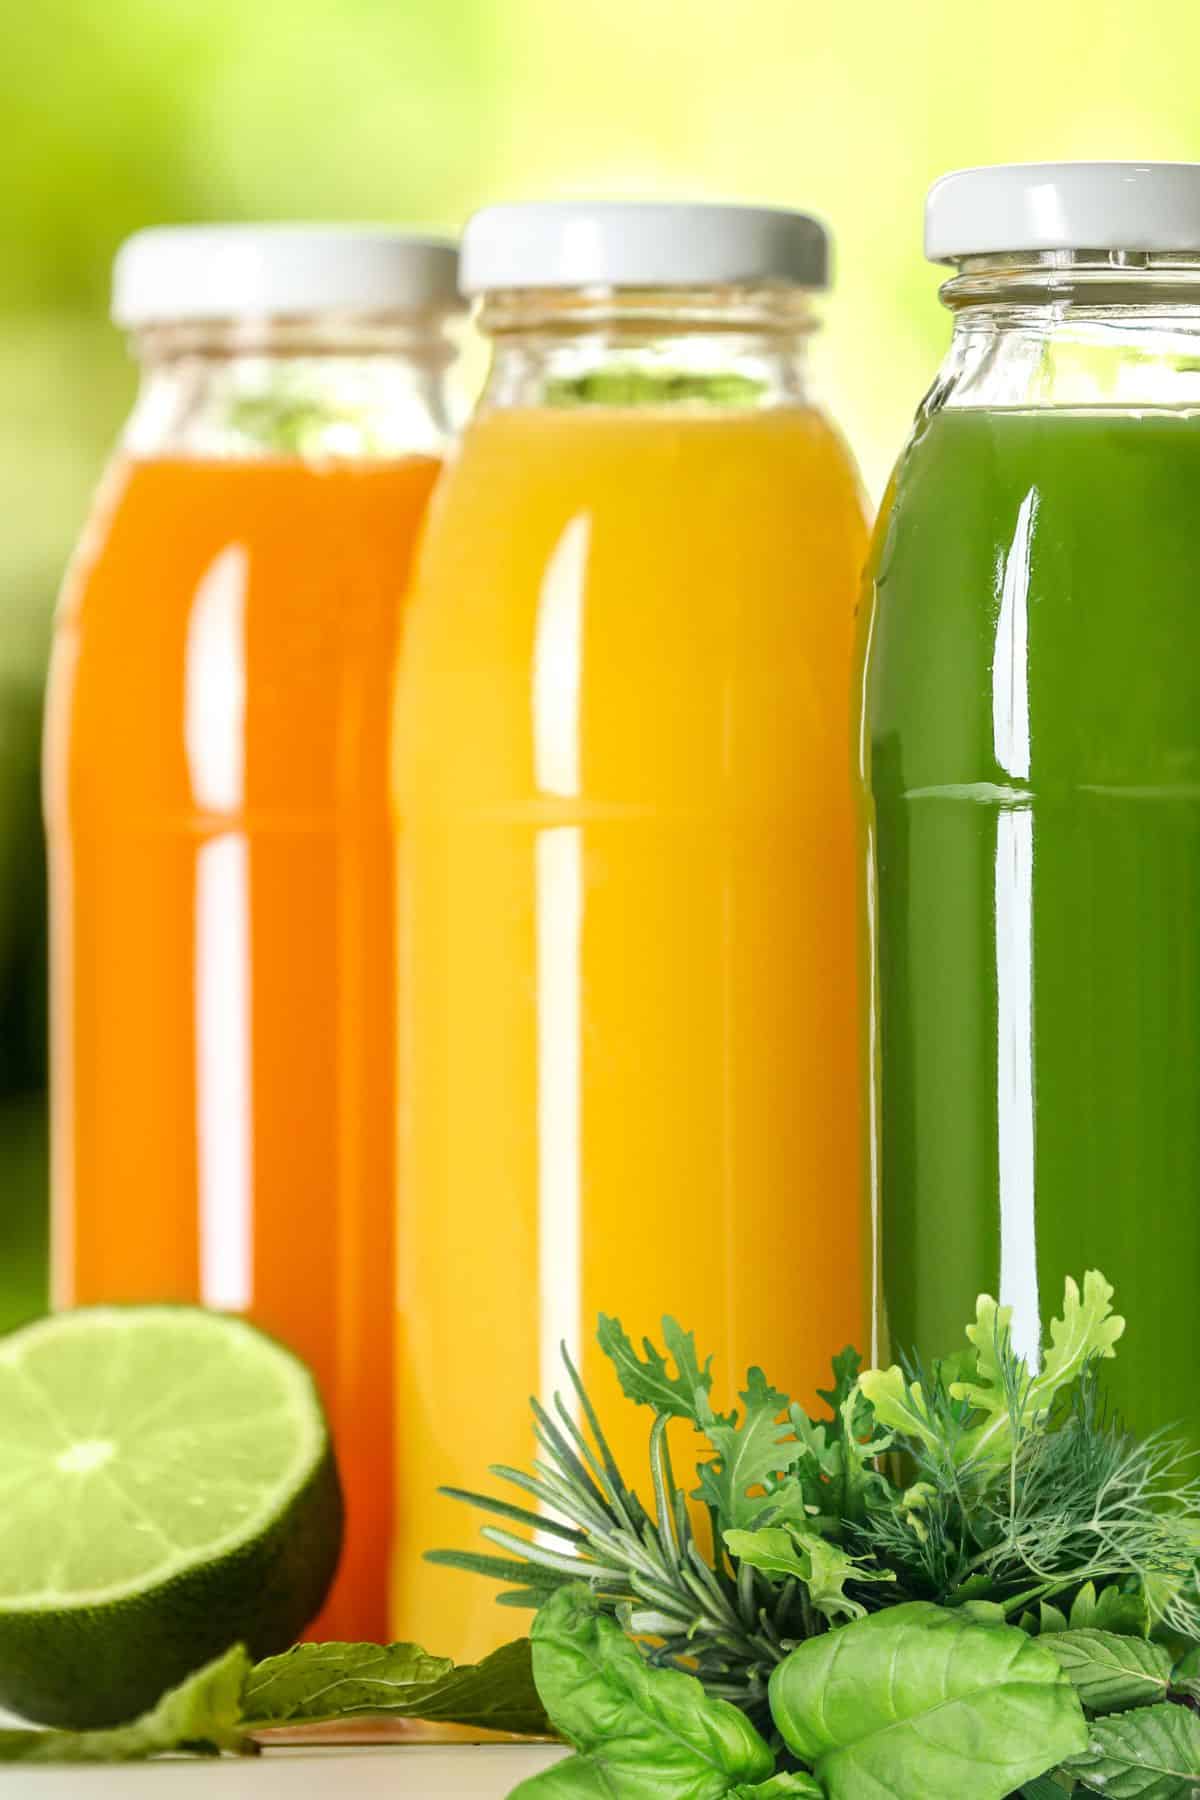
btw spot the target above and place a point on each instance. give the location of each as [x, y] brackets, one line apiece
[802, 1554]
[753, 1451]
[900, 1405]
[649, 1382]
[1153, 1754]
[344, 1681]
[846, 1365]
[642, 1733]
[921, 1704]
[1111, 1673]
[1088, 1330]
[1113, 1609]
[203, 1714]
[836, 1462]
[999, 1388]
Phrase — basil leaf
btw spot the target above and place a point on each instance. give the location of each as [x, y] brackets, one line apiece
[801, 1787]
[202, 1714]
[342, 1681]
[1111, 1673]
[1149, 1755]
[921, 1704]
[643, 1733]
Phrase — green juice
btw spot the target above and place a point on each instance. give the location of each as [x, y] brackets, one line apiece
[1033, 726]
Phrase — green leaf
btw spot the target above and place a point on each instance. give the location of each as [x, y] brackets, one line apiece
[1051, 1619]
[649, 1382]
[846, 1365]
[344, 1681]
[1111, 1673]
[753, 1451]
[779, 1788]
[1153, 1754]
[642, 1733]
[204, 1713]
[900, 1405]
[920, 1704]
[801, 1554]
[1088, 1329]
[1043, 1787]
[1128, 1614]
[1185, 1678]
[633, 386]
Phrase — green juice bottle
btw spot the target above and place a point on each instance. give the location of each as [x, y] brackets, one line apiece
[1031, 770]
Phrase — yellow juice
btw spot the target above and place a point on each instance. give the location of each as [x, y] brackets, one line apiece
[627, 936]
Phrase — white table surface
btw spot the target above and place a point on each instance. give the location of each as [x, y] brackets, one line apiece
[387, 1772]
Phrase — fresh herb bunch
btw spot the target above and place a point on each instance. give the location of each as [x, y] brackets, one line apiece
[978, 1482]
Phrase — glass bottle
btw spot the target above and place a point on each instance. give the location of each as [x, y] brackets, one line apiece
[1031, 777]
[215, 791]
[622, 784]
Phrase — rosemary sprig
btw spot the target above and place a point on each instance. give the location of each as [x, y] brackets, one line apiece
[724, 1622]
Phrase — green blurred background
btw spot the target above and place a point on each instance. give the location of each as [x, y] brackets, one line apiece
[122, 113]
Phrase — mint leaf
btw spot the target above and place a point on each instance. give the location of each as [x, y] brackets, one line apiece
[649, 1381]
[642, 1733]
[1149, 1755]
[1088, 1329]
[343, 1681]
[1111, 1673]
[204, 1714]
[804, 1555]
[921, 1704]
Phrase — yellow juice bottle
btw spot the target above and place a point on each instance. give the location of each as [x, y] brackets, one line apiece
[621, 775]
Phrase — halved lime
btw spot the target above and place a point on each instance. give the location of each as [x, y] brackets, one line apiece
[167, 1488]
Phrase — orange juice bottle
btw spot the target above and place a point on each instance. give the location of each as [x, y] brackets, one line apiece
[621, 774]
[215, 790]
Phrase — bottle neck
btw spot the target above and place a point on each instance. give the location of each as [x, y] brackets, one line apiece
[318, 388]
[732, 348]
[1071, 329]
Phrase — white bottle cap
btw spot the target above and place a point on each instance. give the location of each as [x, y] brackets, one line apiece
[607, 244]
[1063, 206]
[279, 271]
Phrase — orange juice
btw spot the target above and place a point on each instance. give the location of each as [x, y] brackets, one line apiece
[216, 800]
[222, 914]
[627, 969]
